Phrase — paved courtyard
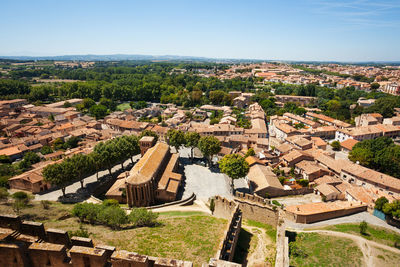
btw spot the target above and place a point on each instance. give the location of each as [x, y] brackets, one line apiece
[205, 183]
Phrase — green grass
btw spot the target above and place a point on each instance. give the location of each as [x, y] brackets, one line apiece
[192, 236]
[181, 213]
[322, 250]
[123, 106]
[270, 230]
[374, 233]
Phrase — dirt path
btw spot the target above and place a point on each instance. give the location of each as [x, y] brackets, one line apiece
[258, 256]
[366, 246]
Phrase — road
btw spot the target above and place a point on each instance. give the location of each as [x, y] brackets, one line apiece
[75, 188]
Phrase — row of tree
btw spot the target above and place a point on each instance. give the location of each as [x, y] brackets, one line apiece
[111, 214]
[104, 156]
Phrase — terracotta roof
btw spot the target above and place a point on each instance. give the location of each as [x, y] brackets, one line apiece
[145, 169]
[349, 143]
[321, 207]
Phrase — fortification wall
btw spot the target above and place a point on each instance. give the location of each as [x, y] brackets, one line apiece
[28, 244]
[255, 208]
[228, 245]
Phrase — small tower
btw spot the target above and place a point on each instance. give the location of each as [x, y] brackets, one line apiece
[145, 143]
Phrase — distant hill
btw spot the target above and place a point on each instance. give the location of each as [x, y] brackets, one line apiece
[122, 57]
[169, 58]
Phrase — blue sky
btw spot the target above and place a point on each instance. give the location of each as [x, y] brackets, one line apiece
[279, 29]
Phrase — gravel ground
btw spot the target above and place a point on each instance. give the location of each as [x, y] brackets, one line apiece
[205, 183]
[298, 200]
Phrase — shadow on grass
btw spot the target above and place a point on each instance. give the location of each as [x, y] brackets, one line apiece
[242, 247]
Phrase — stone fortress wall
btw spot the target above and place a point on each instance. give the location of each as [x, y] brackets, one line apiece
[29, 244]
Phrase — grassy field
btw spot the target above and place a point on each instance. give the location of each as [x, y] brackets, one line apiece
[322, 250]
[374, 233]
[386, 258]
[192, 236]
[123, 106]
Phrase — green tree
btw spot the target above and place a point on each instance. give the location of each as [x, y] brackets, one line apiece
[176, 138]
[57, 174]
[234, 165]
[250, 152]
[192, 141]
[46, 150]
[72, 142]
[212, 206]
[31, 158]
[375, 86]
[88, 103]
[336, 145]
[209, 146]
[363, 227]
[143, 217]
[380, 202]
[82, 166]
[3, 194]
[5, 159]
[98, 111]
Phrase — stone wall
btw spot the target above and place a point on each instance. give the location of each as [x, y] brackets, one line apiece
[257, 209]
[28, 244]
[227, 247]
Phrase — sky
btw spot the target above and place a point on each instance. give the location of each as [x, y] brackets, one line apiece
[248, 29]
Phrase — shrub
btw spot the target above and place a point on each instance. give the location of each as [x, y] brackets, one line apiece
[143, 217]
[296, 251]
[106, 214]
[3, 193]
[282, 179]
[21, 196]
[110, 202]
[82, 232]
[303, 182]
[112, 216]
[275, 202]
[363, 227]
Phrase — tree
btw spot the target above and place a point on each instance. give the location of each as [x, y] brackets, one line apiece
[234, 165]
[380, 202]
[209, 146]
[250, 152]
[98, 111]
[143, 217]
[134, 148]
[72, 142]
[31, 158]
[57, 174]
[88, 103]
[375, 86]
[192, 141]
[212, 206]
[67, 104]
[46, 150]
[3, 194]
[82, 166]
[97, 163]
[176, 138]
[5, 159]
[363, 227]
[336, 145]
